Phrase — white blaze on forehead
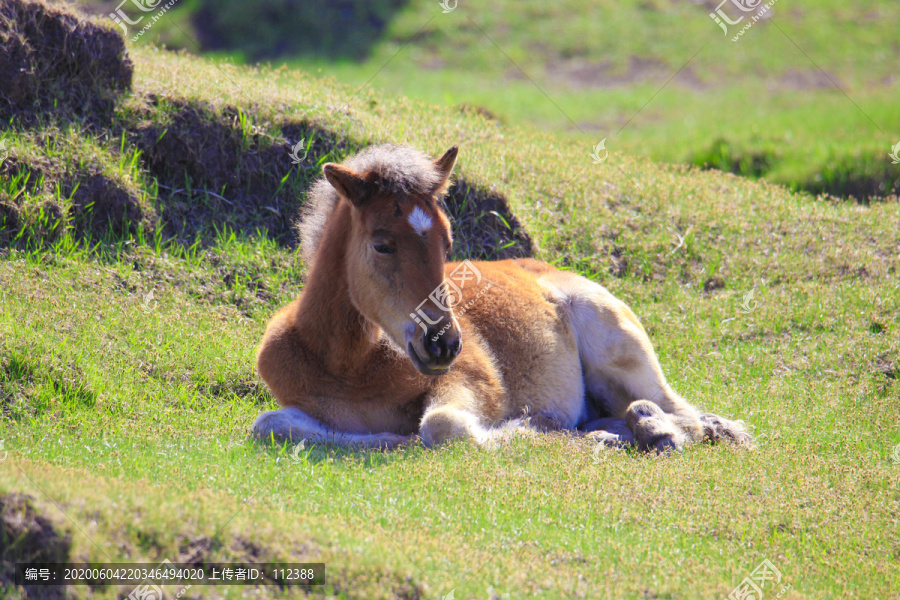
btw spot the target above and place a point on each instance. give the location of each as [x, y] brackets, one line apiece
[419, 220]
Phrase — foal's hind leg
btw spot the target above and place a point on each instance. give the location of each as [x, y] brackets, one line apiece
[621, 369]
[292, 424]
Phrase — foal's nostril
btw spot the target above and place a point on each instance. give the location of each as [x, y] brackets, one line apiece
[432, 343]
[454, 345]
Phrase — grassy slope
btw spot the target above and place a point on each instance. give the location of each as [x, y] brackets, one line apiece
[743, 93]
[764, 96]
[131, 412]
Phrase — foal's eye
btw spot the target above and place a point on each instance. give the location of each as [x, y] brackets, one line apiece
[384, 249]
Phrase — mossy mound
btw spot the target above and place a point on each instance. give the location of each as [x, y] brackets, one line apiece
[57, 181]
[54, 60]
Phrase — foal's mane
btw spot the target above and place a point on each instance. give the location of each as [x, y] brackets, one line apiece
[400, 170]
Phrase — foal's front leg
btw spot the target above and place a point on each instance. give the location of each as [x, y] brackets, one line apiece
[450, 416]
[292, 424]
[474, 408]
[466, 403]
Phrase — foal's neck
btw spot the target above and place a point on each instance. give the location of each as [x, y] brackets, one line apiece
[330, 324]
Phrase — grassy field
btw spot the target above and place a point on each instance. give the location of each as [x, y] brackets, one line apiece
[806, 98]
[129, 317]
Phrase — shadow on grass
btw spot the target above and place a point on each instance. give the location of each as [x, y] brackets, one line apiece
[863, 178]
[29, 390]
[212, 170]
[303, 452]
[28, 536]
[278, 28]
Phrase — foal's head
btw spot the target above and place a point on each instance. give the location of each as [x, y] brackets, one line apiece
[396, 247]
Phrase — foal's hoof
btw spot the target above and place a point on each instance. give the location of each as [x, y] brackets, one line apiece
[544, 422]
[609, 432]
[653, 430]
[719, 429]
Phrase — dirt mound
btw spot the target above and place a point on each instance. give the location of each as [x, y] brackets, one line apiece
[218, 170]
[99, 201]
[27, 536]
[582, 74]
[484, 227]
[55, 197]
[217, 167]
[52, 59]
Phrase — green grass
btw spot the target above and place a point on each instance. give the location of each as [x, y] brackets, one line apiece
[813, 89]
[127, 383]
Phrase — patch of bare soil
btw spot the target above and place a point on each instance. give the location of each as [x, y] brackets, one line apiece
[795, 79]
[584, 74]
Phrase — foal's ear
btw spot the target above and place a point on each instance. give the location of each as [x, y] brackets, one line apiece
[348, 183]
[445, 165]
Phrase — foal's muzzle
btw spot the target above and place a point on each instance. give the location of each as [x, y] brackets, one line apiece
[440, 349]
